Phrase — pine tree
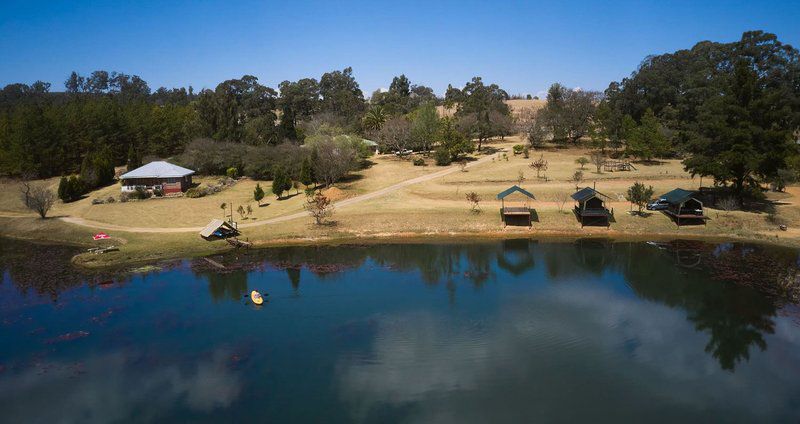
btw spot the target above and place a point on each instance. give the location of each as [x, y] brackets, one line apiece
[258, 194]
[306, 172]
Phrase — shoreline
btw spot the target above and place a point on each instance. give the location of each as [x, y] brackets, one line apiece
[86, 260]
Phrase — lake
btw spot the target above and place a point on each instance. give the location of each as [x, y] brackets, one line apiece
[498, 331]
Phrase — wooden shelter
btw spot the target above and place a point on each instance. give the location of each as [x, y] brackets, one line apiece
[684, 207]
[218, 229]
[518, 210]
[590, 208]
[617, 165]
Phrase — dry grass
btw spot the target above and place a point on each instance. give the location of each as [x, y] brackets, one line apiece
[434, 208]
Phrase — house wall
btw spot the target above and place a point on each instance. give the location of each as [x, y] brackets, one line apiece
[169, 185]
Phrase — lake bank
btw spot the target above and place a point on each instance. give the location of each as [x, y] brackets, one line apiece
[152, 247]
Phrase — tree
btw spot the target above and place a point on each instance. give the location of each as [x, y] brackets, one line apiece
[561, 199]
[474, 200]
[536, 130]
[577, 178]
[134, 159]
[395, 135]
[539, 165]
[568, 112]
[281, 181]
[480, 108]
[452, 143]
[731, 108]
[306, 172]
[582, 161]
[639, 194]
[374, 119]
[647, 140]
[258, 194]
[41, 200]
[334, 157]
[598, 159]
[319, 207]
[424, 126]
[241, 211]
[341, 95]
[97, 169]
[71, 189]
[298, 101]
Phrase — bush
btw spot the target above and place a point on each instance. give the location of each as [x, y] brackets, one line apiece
[139, 194]
[419, 162]
[158, 192]
[111, 199]
[97, 201]
[232, 172]
[71, 189]
[123, 198]
[442, 157]
[518, 149]
[195, 192]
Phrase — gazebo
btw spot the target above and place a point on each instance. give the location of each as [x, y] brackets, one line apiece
[518, 210]
[218, 229]
[684, 206]
[591, 208]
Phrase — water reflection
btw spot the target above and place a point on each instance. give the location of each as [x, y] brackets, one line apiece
[475, 332]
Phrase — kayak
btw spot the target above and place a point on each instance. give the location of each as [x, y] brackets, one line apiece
[256, 297]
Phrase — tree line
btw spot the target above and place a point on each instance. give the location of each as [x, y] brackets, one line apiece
[730, 111]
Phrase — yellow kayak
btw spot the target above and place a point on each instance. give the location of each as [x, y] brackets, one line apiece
[256, 297]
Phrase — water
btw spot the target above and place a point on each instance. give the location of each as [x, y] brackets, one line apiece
[501, 331]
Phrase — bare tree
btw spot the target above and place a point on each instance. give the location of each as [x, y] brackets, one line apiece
[474, 200]
[40, 200]
[25, 189]
[539, 165]
[561, 199]
[394, 135]
[334, 159]
[598, 159]
[320, 207]
[520, 177]
[728, 204]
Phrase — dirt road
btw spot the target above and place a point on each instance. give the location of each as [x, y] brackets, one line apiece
[283, 218]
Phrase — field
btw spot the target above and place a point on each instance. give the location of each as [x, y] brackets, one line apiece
[380, 203]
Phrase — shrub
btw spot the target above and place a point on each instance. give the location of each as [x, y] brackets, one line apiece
[139, 194]
[442, 157]
[419, 162]
[195, 192]
[71, 189]
[232, 172]
[158, 192]
[111, 199]
[123, 198]
[518, 149]
[97, 201]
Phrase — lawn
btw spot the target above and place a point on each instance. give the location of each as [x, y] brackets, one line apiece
[432, 208]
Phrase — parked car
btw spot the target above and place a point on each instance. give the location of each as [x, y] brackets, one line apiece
[658, 205]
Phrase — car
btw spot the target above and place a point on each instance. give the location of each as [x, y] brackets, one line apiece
[658, 205]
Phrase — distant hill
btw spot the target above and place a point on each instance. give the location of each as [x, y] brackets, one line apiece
[517, 107]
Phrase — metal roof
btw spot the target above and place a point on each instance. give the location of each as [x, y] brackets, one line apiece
[214, 225]
[158, 169]
[586, 193]
[512, 189]
[678, 196]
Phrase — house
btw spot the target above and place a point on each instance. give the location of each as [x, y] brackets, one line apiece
[591, 208]
[684, 207]
[518, 211]
[158, 175]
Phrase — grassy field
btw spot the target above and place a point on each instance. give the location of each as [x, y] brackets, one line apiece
[433, 208]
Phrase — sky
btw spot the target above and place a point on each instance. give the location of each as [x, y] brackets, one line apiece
[522, 46]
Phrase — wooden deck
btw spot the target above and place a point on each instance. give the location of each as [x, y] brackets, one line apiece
[516, 210]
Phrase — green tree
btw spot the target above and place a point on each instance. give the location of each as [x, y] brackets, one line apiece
[306, 172]
[258, 194]
[480, 108]
[639, 194]
[451, 143]
[374, 119]
[281, 181]
[646, 140]
[424, 125]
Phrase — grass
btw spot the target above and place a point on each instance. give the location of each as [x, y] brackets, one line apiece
[434, 208]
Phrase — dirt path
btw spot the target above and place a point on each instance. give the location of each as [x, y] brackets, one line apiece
[283, 218]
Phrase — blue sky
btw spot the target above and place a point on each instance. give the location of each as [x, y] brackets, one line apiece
[522, 46]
